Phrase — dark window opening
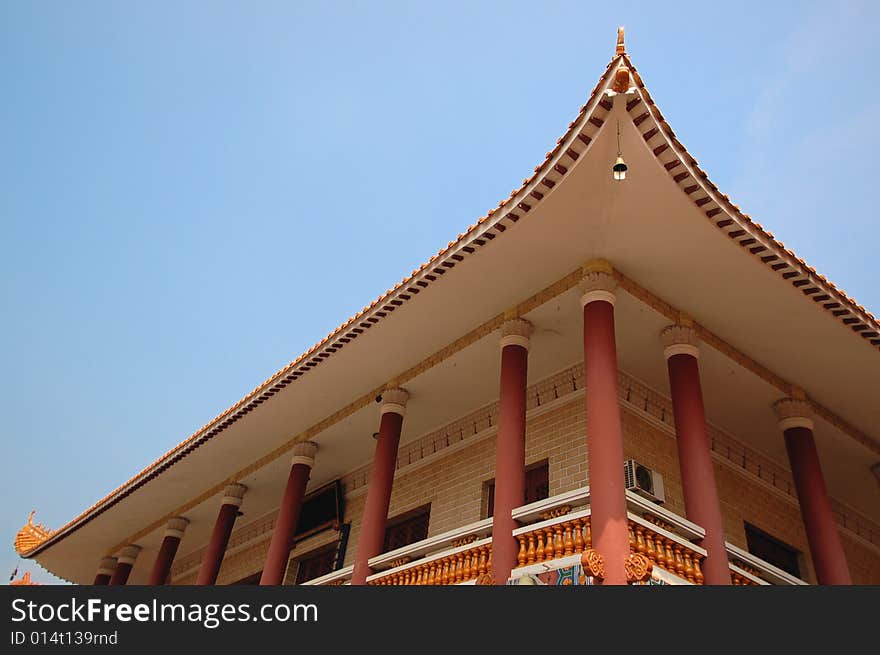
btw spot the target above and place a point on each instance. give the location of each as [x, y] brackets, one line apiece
[407, 528]
[773, 551]
[314, 565]
[249, 580]
[537, 486]
[321, 509]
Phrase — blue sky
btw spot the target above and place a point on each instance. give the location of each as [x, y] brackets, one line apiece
[193, 193]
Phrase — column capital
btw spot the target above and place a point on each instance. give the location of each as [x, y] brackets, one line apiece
[598, 282]
[304, 453]
[129, 554]
[107, 566]
[516, 332]
[794, 413]
[394, 401]
[679, 339]
[233, 494]
[176, 527]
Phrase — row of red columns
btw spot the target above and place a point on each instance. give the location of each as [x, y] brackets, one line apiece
[605, 447]
[609, 522]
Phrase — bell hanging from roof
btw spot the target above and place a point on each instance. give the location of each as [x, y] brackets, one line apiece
[619, 169]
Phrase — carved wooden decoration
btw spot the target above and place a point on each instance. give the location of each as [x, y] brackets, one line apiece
[638, 568]
[485, 579]
[556, 512]
[620, 84]
[593, 563]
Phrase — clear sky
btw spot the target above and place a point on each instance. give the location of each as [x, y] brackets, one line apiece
[194, 193]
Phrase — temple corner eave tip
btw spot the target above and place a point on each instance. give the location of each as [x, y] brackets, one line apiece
[621, 47]
[30, 536]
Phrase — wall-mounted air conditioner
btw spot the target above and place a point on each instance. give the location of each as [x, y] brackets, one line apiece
[644, 481]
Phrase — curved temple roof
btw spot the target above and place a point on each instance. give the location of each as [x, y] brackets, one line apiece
[619, 77]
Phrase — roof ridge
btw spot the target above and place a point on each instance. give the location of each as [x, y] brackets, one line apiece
[724, 205]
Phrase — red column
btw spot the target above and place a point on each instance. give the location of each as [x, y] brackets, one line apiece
[694, 451]
[105, 571]
[510, 449]
[372, 537]
[162, 566]
[124, 565]
[826, 549]
[216, 549]
[288, 514]
[604, 436]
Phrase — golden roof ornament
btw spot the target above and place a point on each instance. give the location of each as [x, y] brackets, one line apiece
[31, 535]
[620, 83]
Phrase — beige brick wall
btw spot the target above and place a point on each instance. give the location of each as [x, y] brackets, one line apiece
[249, 559]
[454, 484]
[742, 500]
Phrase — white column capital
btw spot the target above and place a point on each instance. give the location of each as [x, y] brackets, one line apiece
[176, 527]
[679, 340]
[304, 453]
[394, 401]
[233, 494]
[794, 413]
[598, 283]
[107, 566]
[516, 332]
[129, 554]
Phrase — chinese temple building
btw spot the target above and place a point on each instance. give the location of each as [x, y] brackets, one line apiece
[614, 377]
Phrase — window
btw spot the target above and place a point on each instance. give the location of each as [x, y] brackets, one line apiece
[315, 564]
[407, 529]
[321, 509]
[537, 487]
[773, 551]
[249, 580]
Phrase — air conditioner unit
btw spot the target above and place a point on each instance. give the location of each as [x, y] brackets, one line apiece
[643, 481]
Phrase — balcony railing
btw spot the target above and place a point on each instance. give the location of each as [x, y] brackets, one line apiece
[745, 566]
[335, 578]
[562, 532]
[553, 535]
[454, 557]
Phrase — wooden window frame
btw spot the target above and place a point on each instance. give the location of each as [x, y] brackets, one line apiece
[423, 511]
[489, 488]
[797, 557]
[327, 550]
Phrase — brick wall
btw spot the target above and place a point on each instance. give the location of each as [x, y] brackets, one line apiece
[453, 481]
[454, 485]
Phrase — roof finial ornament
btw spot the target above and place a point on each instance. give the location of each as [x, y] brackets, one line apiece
[621, 81]
[31, 535]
